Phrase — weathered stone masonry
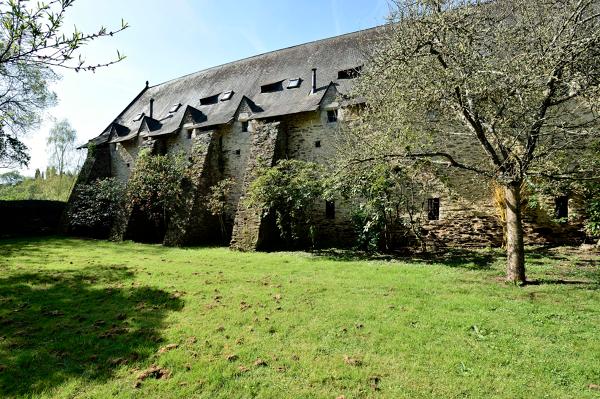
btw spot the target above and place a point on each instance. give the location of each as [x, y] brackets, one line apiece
[249, 228]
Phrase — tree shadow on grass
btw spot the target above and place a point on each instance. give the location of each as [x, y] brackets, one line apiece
[457, 258]
[461, 258]
[85, 323]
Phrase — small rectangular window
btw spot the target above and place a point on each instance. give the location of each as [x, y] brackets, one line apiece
[433, 209]
[210, 100]
[561, 210]
[332, 116]
[190, 134]
[329, 209]
[227, 95]
[238, 152]
[245, 126]
[272, 87]
[161, 147]
[128, 164]
[318, 144]
[294, 83]
[351, 73]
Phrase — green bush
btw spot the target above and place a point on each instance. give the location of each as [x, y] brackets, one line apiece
[289, 191]
[157, 185]
[96, 206]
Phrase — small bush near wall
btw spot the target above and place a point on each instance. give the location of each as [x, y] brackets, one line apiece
[95, 207]
[30, 218]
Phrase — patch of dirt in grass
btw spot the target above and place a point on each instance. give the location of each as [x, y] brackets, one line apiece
[231, 358]
[114, 331]
[168, 348]
[374, 382]
[152, 372]
[260, 363]
[351, 361]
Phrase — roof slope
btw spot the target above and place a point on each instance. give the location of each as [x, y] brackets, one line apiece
[245, 78]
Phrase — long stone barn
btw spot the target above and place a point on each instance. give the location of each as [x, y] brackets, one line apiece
[285, 104]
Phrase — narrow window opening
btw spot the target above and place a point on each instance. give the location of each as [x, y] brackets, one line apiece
[351, 73]
[245, 126]
[238, 152]
[221, 142]
[329, 209]
[561, 210]
[332, 116]
[318, 144]
[128, 164]
[272, 87]
[190, 134]
[210, 100]
[433, 209]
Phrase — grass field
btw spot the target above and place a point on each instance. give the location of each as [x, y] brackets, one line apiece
[90, 319]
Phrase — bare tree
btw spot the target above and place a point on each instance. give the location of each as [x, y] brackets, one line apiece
[516, 82]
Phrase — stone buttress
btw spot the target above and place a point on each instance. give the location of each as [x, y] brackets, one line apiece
[192, 223]
[249, 227]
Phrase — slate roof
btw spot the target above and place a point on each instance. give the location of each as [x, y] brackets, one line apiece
[245, 78]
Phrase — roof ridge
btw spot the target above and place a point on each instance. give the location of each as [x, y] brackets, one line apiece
[269, 52]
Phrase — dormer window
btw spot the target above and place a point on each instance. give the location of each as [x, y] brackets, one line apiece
[272, 87]
[351, 73]
[174, 108]
[227, 95]
[210, 100]
[294, 83]
[138, 117]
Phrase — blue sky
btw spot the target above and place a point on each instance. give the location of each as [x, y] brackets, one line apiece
[171, 38]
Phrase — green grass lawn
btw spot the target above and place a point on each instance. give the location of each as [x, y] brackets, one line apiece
[89, 319]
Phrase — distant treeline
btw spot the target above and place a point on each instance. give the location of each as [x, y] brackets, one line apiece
[48, 185]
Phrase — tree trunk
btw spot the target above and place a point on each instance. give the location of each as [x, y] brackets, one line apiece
[515, 248]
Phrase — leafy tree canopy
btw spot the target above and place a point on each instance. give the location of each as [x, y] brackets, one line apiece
[31, 45]
[505, 89]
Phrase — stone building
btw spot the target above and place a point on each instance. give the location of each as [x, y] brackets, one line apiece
[283, 104]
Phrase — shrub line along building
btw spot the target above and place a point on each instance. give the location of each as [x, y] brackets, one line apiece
[284, 104]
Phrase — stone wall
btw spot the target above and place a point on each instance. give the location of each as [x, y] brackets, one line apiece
[467, 215]
[312, 138]
[249, 228]
[192, 223]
